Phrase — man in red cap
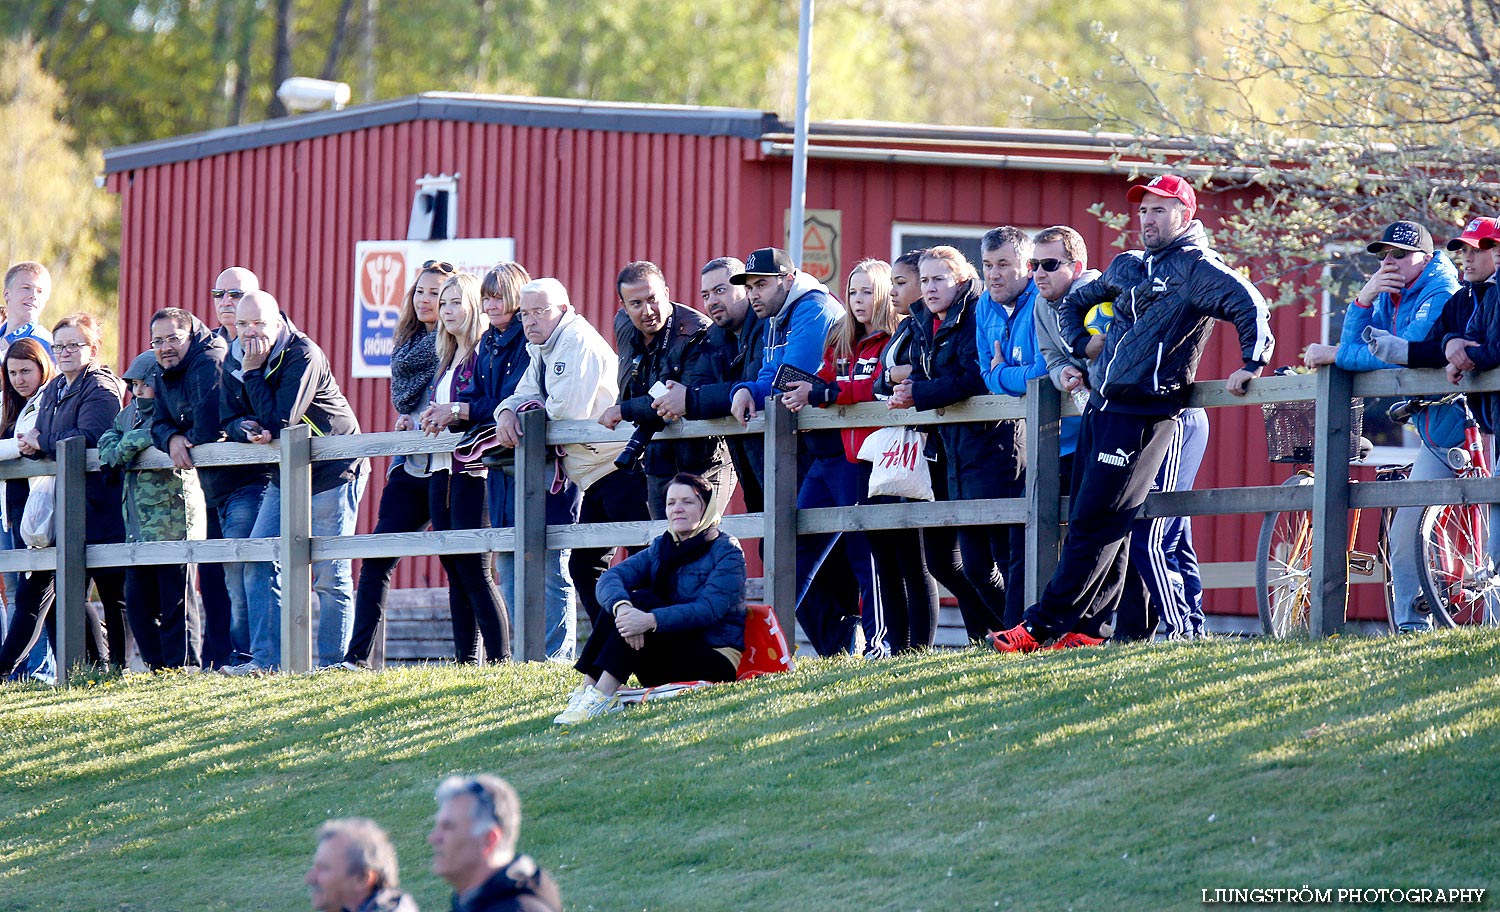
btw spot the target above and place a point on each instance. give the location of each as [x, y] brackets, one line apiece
[1166, 299]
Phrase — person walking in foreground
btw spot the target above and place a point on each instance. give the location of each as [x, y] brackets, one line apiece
[1165, 301]
[473, 843]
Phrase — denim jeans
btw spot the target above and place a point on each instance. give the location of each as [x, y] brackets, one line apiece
[333, 513]
[1405, 558]
[236, 520]
[561, 602]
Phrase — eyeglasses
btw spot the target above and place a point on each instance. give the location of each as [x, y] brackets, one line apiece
[439, 266]
[533, 314]
[71, 348]
[257, 325]
[169, 340]
[483, 800]
[233, 294]
[1390, 254]
[1050, 264]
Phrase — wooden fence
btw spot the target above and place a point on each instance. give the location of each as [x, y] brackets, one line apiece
[1042, 508]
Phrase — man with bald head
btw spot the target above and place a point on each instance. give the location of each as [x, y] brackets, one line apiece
[231, 285]
[286, 380]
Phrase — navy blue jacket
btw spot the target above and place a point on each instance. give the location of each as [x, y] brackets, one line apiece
[985, 458]
[708, 594]
[1165, 304]
[1484, 327]
[679, 353]
[501, 361]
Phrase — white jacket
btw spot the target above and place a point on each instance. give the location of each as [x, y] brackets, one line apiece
[579, 367]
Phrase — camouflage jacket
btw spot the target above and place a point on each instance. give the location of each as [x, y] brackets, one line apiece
[159, 504]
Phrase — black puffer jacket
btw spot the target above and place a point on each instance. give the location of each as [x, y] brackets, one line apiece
[187, 403]
[86, 409]
[1165, 302]
[985, 458]
[679, 352]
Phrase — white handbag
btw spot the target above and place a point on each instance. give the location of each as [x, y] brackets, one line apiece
[899, 468]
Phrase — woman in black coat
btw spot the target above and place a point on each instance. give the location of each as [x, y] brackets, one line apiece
[81, 402]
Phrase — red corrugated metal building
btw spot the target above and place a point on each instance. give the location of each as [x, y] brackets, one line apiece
[584, 187]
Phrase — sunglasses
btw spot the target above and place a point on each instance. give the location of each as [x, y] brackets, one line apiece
[439, 266]
[1050, 264]
[232, 294]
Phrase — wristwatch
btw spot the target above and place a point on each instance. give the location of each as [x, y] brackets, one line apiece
[456, 410]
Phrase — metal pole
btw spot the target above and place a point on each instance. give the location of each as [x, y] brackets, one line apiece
[799, 145]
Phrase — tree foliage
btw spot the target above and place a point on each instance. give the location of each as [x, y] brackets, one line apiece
[1343, 115]
[50, 209]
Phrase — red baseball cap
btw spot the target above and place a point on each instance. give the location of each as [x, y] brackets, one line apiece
[1169, 185]
[1479, 233]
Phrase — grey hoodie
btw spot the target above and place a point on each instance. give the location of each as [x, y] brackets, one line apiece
[1049, 336]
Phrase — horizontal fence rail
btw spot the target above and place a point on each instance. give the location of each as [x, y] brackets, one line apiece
[1041, 509]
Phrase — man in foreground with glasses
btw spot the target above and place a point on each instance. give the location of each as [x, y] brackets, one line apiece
[1406, 297]
[287, 381]
[473, 841]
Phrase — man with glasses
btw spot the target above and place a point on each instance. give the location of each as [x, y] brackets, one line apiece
[286, 380]
[231, 285]
[188, 388]
[572, 377]
[1405, 297]
[473, 841]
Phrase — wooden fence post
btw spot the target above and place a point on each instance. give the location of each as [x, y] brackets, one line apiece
[296, 549]
[529, 638]
[69, 519]
[780, 542]
[1330, 555]
[1043, 483]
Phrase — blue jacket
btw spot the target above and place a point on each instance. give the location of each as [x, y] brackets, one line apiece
[796, 335]
[1421, 306]
[708, 594]
[1016, 333]
[1484, 327]
[502, 359]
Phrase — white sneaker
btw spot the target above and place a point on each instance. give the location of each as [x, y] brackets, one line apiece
[242, 670]
[585, 704]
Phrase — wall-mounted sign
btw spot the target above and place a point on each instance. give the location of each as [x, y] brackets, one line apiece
[821, 233]
[384, 270]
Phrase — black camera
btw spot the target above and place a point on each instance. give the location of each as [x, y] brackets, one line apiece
[635, 447]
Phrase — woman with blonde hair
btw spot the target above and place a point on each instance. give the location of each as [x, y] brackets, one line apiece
[947, 372]
[403, 500]
[837, 477]
[455, 489]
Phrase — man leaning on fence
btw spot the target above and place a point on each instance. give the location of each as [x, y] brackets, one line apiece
[287, 381]
[1405, 297]
[1166, 299]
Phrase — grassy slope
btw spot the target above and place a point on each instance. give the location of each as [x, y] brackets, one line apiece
[1126, 778]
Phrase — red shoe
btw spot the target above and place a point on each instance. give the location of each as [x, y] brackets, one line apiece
[1016, 639]
[1074, 640]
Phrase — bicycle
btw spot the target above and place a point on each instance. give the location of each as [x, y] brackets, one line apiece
[1457, 578]
[1283, 564]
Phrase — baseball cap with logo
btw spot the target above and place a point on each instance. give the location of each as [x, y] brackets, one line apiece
[1403, 235]
[771, 261]
[1169, 185]
[1480, 232]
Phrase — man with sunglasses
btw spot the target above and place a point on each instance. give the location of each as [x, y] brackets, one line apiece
[231, 285]
[1166, 299]
[473, 841]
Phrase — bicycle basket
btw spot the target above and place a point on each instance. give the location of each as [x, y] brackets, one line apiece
[1290, 429]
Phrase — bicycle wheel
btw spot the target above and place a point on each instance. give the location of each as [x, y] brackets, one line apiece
[1457, 577]
[1283, 569]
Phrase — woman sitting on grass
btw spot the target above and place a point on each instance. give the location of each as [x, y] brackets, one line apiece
[674, 612]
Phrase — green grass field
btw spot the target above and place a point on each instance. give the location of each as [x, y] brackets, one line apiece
[1115, 779]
